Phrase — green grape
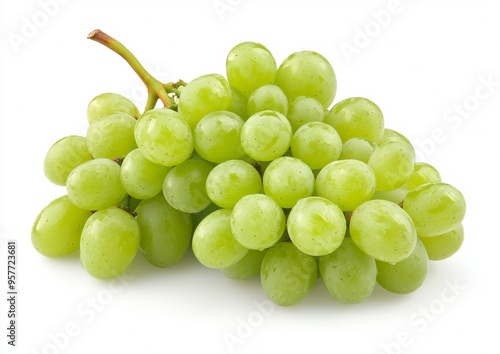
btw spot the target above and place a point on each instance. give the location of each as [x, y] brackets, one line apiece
[347, 183]
[287, 274]
[393, 164]
[422, 173]
[317, 144]
[357, 149]
[217, 137]
[250, 65]
[266, 135]
[357, 117]
[109, 102]
[287, 180]
[396, 195]
[246, 268]
[435, 208]
[57, 229]
[213, 242]
[109, 243]
[238, 104]
[63, 156]
[164, 137]
[307, 73]
[349, 274]
[304, 109]
[389, 137]
[383, 230]
[267, 97]
[184, 187]
[231, 180]
[406, 276]
[392, 135]
[205, 94]
[111, 135]
[257, 221]
[141, 178]
[444, 245]
[165, 231]
[316, 226]
[95, 184]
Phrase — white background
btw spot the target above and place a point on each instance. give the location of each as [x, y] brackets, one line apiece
[426, 64]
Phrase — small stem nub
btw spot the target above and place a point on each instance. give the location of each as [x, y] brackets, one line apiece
[118, 160]
[125, 205]
[348, 215]
[156, 89]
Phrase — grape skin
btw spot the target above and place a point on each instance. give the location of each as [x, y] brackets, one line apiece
[184, 186]
[266, 135]
[111, 136]
[347, 183]
[165, 231]
[393, 164]
[307, 73]
[250, 65]
[304, 109]
[63, 156]
[95, 184]
[246, 268]
[142, 178]
[203, 95]
[287, 274]
[213, 242]
[267, 97]
[357, 117]
[110, 102]
[57, 229]
[217, 137]
[164, 137]
[406, 276]
[316, 226]
[110, 240]
[230, 181]
[348, 273]
[383, 230]
[317, 144]
[435, 208]
[443, 246]
[257, 221]
[288, 180]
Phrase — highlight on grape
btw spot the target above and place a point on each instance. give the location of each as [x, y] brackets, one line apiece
[260, 171]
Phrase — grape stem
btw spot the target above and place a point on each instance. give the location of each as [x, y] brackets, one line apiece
[348, 215]
[156, 89]
[125, 205]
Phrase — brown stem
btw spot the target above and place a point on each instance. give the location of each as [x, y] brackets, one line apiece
[156, 90]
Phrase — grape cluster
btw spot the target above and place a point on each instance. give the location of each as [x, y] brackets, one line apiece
[260, 173]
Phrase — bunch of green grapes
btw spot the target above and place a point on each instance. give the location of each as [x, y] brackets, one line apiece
[261, 174]
[114, 176]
